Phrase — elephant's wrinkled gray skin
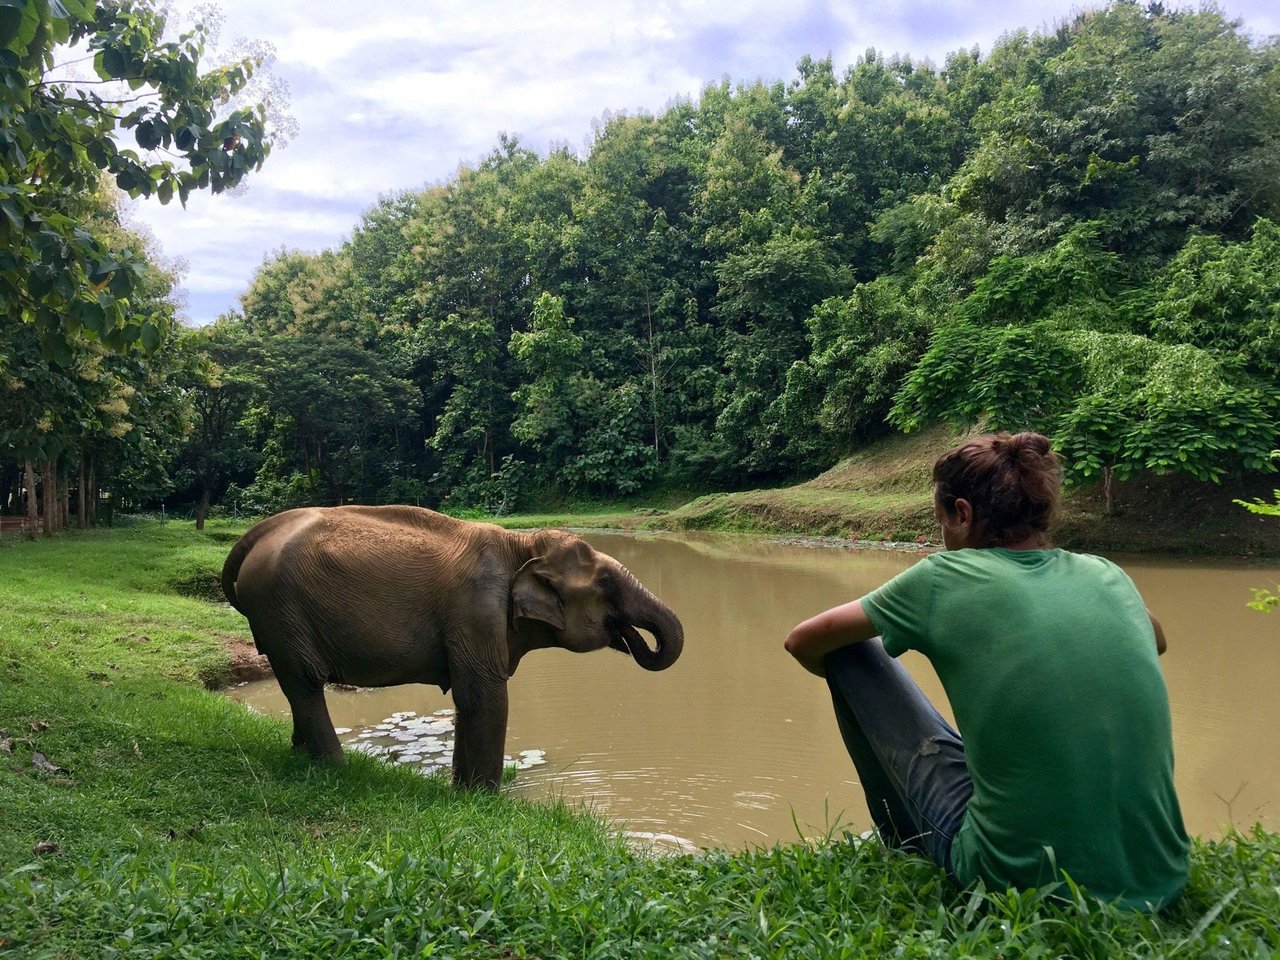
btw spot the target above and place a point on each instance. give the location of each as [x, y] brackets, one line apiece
[377, 596]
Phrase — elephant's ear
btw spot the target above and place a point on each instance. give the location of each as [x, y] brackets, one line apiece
[533, 597]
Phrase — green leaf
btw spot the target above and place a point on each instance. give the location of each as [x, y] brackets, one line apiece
[121, 283]
[92, 316]
[54, 348]
[113, 62]
[10, 24]
[146, 135]
[150, 335]
[12, 212]
[17, 32]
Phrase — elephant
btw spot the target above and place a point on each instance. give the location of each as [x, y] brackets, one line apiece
[379, 596]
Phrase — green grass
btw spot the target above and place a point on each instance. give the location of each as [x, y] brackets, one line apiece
[186, 828]
[884, 492]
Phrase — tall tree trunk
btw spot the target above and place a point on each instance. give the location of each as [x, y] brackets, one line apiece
[33, 516]
[64, 500]
[82, 518]
[202, 508]
[47, 501]
[1109, 490]
[93, 495]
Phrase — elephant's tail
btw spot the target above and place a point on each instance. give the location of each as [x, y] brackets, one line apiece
[231, 568]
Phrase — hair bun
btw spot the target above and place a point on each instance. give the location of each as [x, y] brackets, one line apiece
[1035, 443]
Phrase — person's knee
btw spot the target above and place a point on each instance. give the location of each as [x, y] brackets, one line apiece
[855, 660]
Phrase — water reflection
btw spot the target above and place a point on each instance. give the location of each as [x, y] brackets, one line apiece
[736, 746]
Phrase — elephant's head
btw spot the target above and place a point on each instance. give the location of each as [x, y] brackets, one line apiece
[572, 596]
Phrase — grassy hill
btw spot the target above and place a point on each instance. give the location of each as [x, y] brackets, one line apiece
[884, 493]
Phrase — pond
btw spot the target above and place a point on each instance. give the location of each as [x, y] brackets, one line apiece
[736, 746]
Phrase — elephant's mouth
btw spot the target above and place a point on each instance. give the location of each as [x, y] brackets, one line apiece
[623, 636]
[668, 640]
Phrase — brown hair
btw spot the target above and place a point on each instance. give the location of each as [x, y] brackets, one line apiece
[1011, 481]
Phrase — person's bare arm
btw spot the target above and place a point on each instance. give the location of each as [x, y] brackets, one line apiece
[1161, 644]
[832, 629]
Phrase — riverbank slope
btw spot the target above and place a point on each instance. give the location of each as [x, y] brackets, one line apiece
[884, 493]
[142, 815]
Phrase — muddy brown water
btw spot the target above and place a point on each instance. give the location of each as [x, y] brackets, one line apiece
[736, 746]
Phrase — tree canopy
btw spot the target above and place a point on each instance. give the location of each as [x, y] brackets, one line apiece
[89, 381]
[1074, 232]
[59, 134]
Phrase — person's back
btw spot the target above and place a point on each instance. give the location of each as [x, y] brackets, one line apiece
[1063, 760]
[1049, 661]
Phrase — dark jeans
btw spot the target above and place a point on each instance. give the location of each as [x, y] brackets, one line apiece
[910, 761]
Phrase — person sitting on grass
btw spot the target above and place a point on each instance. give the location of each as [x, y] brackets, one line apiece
[1049, 661]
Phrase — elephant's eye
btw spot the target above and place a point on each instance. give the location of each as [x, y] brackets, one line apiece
[604, 582]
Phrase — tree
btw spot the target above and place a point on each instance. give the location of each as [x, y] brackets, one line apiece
[1115, 404]
[60, 134]
[588, 436]
[861, 347]
[318, 294]
[220, 382]
[1150, 121]
[634, 280]
[743, 287]
[767, 289]
[1225, 297]
[99, 419]
[471, 291]
[550, 417]
[324, 419]
[381, 257]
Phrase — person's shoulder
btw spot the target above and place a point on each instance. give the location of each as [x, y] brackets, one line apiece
[1091, 565]
[930, 563]
[916, 577]
[1083, 560]
[966, 558]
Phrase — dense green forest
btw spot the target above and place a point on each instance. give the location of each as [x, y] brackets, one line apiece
[1074, 232]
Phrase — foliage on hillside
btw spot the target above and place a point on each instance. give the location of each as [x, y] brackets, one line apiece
[1075, 232]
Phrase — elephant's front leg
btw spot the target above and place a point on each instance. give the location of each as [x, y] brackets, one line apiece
[481, 732]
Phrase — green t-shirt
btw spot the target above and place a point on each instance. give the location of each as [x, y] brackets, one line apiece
[1049, 661]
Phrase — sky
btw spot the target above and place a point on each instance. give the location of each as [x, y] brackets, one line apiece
[391, 95]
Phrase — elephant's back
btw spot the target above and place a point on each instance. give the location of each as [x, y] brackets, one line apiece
[351, 586]
[322, 556]
[388, 522]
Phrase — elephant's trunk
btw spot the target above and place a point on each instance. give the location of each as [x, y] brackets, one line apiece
[649, 613]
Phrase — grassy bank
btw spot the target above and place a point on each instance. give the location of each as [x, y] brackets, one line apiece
[142, 815]
[884, 492]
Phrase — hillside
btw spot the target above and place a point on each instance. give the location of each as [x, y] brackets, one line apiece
[884, 493]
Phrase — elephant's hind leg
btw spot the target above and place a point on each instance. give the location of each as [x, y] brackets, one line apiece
[312, 729]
